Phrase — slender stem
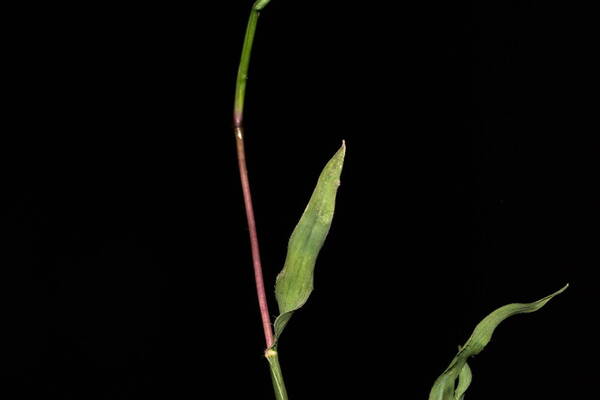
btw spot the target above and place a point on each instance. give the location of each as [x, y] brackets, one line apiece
[238, 117]
[238, 112]
[242, 76]
[276, 375]
[258, 275]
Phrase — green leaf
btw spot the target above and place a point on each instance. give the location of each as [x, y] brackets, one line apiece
[464, 380]
[444, 386]
[295, 282]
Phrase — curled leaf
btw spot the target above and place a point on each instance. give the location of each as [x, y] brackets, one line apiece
[295, 282]
[444, 386]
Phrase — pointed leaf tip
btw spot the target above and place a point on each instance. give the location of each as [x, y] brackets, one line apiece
[295, 282]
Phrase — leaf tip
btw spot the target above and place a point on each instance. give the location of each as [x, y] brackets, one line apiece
[342, 150]
[562, 289]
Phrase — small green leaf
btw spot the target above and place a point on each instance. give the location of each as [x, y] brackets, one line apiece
[444, 386]
[464, 380]
[295, 282]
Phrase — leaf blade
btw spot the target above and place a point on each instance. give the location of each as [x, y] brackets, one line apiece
[464, 381]
[295, 282]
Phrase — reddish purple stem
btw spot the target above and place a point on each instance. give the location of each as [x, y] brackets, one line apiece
[258, 274]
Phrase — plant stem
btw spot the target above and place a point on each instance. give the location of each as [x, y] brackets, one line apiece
[258, 275]
[238, 116]
[238, 113]
[276, 375]
[242, 76]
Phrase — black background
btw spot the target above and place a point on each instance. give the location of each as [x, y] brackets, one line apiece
[126, 269]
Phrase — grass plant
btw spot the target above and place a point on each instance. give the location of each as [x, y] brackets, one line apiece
[294, 283]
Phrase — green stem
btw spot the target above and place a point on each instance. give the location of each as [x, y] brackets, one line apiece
[276, 375]
[242, 76]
